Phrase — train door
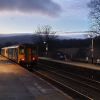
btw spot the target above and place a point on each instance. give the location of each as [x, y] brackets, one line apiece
[16, 54]
[28, 54]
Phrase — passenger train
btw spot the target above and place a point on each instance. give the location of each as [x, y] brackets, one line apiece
[25, 54]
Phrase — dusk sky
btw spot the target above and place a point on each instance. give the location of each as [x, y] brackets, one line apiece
[24, 16]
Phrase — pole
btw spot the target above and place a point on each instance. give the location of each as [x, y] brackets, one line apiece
[46, 49]
[92, 50]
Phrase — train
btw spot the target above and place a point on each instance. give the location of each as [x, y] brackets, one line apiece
[23, 54]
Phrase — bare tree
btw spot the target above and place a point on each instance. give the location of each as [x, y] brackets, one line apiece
[94, 6]
[45, 35]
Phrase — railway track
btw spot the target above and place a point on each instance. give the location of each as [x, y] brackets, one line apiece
[91, 82]
[80, 88]
[66, 89]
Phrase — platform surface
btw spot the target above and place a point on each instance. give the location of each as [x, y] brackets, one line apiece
[17, 83]
[77, 64]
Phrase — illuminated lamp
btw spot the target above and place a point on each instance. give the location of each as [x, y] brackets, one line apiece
[22, 59]
[33, 58]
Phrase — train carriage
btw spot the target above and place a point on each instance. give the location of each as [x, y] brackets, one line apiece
[25, 54]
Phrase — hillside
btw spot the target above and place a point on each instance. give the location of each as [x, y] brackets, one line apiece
[13, 39]
[17, 39]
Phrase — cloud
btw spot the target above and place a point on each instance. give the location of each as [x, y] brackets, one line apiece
[75, 7]
[80, 4]
[47, 7]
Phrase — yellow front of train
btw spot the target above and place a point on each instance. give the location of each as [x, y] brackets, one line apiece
[27, 56]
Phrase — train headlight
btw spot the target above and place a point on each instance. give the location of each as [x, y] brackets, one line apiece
[22, 59]
[33, 58]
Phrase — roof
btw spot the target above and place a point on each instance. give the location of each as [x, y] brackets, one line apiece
[16, 46]
[10, 47]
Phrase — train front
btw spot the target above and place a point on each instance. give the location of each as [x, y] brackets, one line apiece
[28, 55]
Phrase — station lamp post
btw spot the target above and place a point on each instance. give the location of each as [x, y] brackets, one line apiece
[92, 49]
[92, 35]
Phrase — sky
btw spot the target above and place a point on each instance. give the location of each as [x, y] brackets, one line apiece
[24, 16]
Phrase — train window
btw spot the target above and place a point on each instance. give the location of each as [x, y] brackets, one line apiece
[21, 51]
[34, 52]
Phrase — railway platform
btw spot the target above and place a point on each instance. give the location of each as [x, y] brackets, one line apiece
[17, 83]
[77, 64]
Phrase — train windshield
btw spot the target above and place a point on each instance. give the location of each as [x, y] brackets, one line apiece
[21, 50]
[34, 52]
